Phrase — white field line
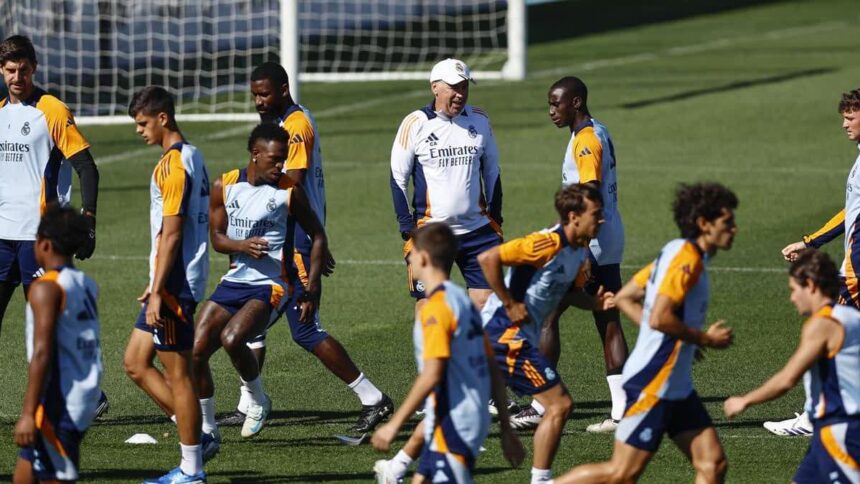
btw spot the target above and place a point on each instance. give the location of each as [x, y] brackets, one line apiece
[396, 262]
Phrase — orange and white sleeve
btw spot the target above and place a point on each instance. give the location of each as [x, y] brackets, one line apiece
[534, 249]
[588, 154]
[437, 325]
[681, 275]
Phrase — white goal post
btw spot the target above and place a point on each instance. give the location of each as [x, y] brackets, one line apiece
[94, 54]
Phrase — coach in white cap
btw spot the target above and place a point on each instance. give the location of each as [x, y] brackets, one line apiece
[448, 149]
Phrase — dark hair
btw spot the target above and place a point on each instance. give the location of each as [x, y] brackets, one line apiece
[572, 199]
[850, 102]
[65, 227]
[152, 100]
[818, 268]
[272, 71]
[572, 85]
[267, 132]
[16, 48]
[437, 239]
[707, 200]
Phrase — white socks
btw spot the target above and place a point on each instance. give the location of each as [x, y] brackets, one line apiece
[192, 459]
[207, 411]
[538, 407]
[619, 398]
[400, 463]
[244, 399]
[541, 476]
[255, 390]
[366, 391]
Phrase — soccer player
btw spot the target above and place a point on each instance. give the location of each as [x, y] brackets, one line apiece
[829, 354]
[38, 143]
[669, 298]
[844, 222]
[543, 266]
[251, 212]
[64, 350]
[179, 267]
[589, 158]
[271, 92]
[456, 371]
[448, 150]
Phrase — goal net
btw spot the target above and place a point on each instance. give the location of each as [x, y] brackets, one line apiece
[95, 54]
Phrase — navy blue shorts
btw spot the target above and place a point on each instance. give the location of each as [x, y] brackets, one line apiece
[647, 418]
[526, 369]
[17, 261]
[833, 454]
[470, 246]
[233, 295]
[177, 334]
[56, 454]
[608, 276]
[447, 467]
[306, 335]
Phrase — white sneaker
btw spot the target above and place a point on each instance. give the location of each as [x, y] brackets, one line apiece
[793, 427]
[528, 418]
[384, 473]
[608, 426]
[255, 419]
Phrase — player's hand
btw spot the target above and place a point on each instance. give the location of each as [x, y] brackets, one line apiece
[25, 431]
[85, 251]
[143, 297]
[308, 306]
[383, 437]
[733, 406]
[256, 247]
[513, 449]
[517, 312]
[604, 300]
[153, 311]
[718, 335]
[790, 251]
[328, 266]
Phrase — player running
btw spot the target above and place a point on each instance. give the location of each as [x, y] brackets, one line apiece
[64, 351]
[828, 358]
[179, 268]
[448, 150]
[669, 298]
[589, 158]
[844, 222]
[456, 371]
[543, 266]
[251, 213]
[38, 141]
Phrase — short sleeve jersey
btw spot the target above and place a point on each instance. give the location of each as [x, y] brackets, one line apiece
[72, 385]
[590, 156]
[448, 327]
[257, 211]
[36, 136]
[180, 187]
[660, 365]
[304, 153]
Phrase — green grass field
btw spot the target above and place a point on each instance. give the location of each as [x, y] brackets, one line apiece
[745, 97]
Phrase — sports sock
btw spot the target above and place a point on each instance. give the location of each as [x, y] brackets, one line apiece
[255, 390]
[366, 391]
[538, 407]
[541, 475]
[244, 398]
[400, 463]
[207, 411]
[619, 399]
[192, 459]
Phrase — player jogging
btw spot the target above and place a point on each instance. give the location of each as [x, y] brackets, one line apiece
[179, 267]
[828, 358]
[669, 298]
[456, 371]
[64, 350]
[38, 141]
[251, 213]
[543, 266]
[844, 222]
[589, 158]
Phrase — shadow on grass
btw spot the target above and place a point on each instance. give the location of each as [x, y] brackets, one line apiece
[121, 474]
[125, 188]
[132, 420]
[315, 477]
[733, 86]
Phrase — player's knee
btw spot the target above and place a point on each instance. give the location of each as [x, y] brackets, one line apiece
[714, 467]
[560, 408]
[624, 475]
[133, 367]
[231, 341]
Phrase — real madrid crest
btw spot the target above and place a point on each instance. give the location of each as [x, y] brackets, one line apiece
[473, 133]
[25, 130]
[271, 206]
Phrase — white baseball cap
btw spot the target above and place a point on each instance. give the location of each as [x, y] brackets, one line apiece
[451, 71]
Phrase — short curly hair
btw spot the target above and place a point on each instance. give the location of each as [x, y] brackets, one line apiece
[850, 102]
[816, 267]
[706, 200]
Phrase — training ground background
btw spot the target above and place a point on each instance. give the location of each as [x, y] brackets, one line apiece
[745, 96]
